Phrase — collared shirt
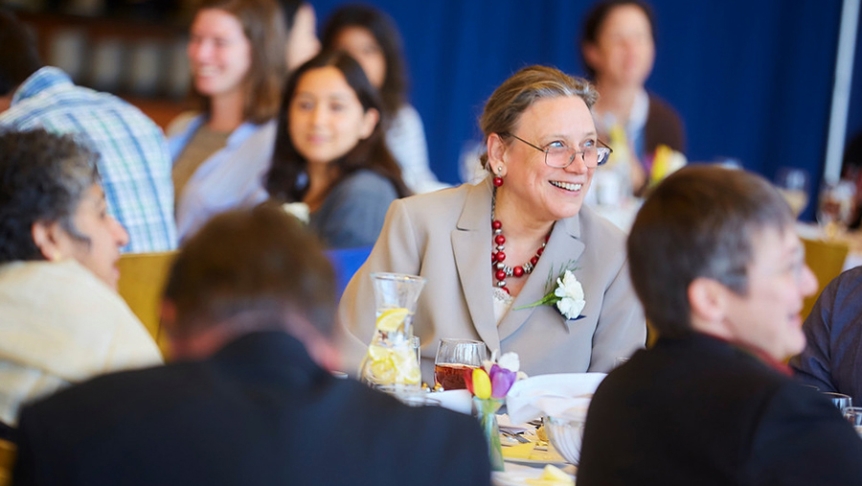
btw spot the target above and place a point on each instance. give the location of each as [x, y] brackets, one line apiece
[134, 163]
[230, 178]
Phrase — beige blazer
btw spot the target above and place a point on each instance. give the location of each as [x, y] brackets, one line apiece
[445, 237]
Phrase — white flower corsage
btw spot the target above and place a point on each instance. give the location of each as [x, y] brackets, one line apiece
[567, 295]
[297, 209]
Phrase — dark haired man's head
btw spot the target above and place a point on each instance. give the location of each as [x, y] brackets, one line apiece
[710, 243]
[245, 271]
[19, 58]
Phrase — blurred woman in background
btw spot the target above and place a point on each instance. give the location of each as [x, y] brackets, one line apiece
[330, 153]
[63, 321]
[237, 56]
[372, 38]
[618, 47]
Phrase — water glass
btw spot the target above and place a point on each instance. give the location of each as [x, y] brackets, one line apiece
[454, 357]
[854, 416]
[835, 207]
[792, 183]
[840, 400]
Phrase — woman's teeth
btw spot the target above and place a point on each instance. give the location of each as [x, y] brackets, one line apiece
[569, 186]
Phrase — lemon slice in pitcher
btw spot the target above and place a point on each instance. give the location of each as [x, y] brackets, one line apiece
[390, 319]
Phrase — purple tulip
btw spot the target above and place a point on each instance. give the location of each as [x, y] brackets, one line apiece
[501, 381]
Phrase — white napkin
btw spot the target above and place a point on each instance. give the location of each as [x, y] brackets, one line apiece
[457, 400]
[565, 395]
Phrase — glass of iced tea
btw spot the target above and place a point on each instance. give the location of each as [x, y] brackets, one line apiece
[454, 356]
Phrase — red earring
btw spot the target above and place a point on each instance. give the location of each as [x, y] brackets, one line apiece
[498, 180]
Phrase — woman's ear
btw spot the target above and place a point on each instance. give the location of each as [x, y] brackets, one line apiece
[369, 121]
[497, 155]
[48, 239]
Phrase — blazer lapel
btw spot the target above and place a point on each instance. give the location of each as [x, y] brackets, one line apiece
[565, 246]
[470, 244]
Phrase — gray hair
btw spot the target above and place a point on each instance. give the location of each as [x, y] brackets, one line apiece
[43, 177]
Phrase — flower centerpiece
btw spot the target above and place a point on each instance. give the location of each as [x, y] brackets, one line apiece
[489, 385]
[567, 295]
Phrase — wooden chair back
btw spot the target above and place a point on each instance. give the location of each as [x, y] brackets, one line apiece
[826, 259]
[142, 278]
[7, 461]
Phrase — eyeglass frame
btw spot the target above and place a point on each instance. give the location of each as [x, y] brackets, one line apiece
[572, 159]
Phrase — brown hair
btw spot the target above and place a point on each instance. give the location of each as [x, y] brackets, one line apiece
[263, 25]
[385, 33]
[595, 19]
[508, 102]
[699, 222]
[287, 179]
[259, 269]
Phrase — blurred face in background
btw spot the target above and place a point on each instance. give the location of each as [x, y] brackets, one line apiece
[219, 53]
[624, 51]
[326, 117]
[302, 42]
[362, 46]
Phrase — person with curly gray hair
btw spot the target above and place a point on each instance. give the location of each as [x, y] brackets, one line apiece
[63, 321]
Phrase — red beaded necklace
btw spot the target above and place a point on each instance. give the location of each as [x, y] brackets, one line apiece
[498, 258]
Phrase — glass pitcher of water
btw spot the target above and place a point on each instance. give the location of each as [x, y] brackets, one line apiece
[391, 358]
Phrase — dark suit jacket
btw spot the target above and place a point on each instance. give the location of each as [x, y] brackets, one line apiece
[259, 412]
[699, 411]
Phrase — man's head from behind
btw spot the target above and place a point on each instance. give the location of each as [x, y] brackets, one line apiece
[245, 271]
[18, 55]
[714, 250]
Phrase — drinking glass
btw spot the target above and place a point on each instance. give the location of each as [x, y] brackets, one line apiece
[854, 416]
[792, 183]
[454, 356]
[835, 207]
[840, 400]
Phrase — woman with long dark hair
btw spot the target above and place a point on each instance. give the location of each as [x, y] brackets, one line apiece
[330, 153]
[372, 38]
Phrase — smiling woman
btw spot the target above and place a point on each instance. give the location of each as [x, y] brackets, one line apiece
[237, 57]
[528, 217]
[330, 153]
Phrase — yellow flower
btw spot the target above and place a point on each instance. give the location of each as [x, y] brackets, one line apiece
[481, 384]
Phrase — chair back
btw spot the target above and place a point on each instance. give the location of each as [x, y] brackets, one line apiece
[826, 259]
[142, 278]
[346, 262]
[7, 461]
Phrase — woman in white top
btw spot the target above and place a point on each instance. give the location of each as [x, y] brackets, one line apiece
[238, 61]
[63, 321]
[371, 37]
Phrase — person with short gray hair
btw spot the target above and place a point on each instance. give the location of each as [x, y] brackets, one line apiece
[715, 259]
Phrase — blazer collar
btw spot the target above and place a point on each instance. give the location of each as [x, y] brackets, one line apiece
[470, 240]
[470, 244]
[564, 247]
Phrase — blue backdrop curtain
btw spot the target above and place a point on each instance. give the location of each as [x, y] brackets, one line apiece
[752, 80]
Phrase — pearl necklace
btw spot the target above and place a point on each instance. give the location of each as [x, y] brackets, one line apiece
[498, 258]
